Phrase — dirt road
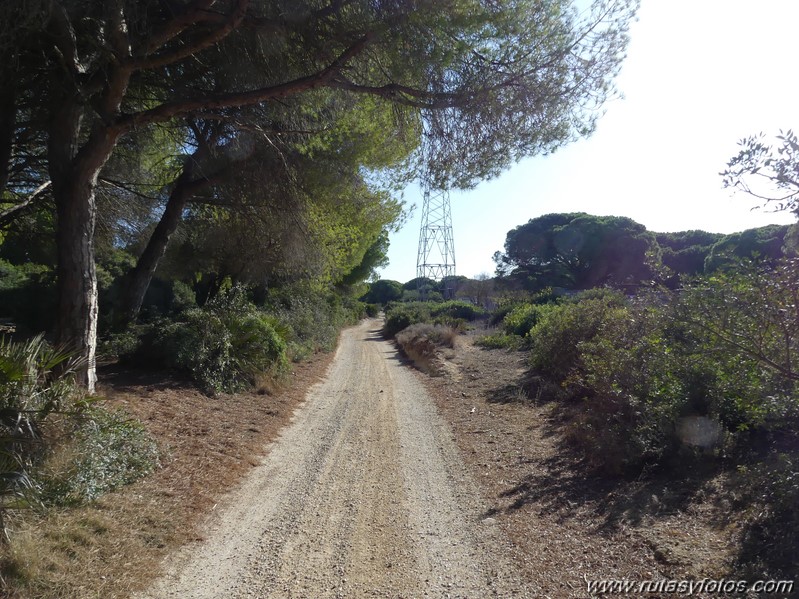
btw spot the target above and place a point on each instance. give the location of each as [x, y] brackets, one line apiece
[363, 495]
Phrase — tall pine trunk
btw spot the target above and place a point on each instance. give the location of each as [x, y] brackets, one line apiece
[8, 114]
[138, 280]
[74, 174]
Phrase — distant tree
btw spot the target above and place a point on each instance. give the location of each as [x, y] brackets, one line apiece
[418, 282]
[684, 252]
[477, 290]
[579, 251]
[383, 291]
[763, 243]
[449, 286]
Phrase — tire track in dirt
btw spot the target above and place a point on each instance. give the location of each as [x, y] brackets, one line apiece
[363, 495]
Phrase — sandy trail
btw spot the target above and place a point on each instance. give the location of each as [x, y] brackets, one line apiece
[363, 495]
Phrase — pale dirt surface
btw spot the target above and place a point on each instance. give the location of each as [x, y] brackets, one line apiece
[566, 525]
[363, 495]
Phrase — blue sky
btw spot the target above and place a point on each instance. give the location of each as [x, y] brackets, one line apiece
[699, 76]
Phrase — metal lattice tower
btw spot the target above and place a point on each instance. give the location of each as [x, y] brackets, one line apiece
[436, 258]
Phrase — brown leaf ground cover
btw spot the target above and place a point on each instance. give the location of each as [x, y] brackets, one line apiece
[566, 525]
[117, 545]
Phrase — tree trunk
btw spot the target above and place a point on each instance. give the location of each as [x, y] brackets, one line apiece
[77, 277]
[74, 175]
[138, 280]
[8, 114]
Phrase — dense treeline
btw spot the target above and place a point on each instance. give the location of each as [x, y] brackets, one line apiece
[581, 251]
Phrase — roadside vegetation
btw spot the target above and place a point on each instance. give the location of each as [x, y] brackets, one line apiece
[661, 374]
[200, 191]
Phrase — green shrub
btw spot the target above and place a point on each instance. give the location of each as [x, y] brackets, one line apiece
[224, 351]
[414, 295]
[183, 297]
[555, 338]
[312, 318]
[747, 320]
[35, 381]
[508, 303]
[457, 309]
[402, 315]
[223, 345]
[521, 319]
[632, 391]
[121, 345]
[354, 310]
[372, 310]
[628, 376]
[106, 451]
[499, 341]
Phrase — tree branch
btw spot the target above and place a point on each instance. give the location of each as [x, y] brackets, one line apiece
[176, 26]
[159, 60]
[402, 94]
[123, 187]
[169, 110]
[11, 213]
[65, 40]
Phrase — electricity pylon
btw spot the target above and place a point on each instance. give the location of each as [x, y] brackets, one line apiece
[436, 257]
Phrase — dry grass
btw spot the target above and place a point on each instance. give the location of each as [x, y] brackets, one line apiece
[420, 342]
[116, 545]
[553, 511]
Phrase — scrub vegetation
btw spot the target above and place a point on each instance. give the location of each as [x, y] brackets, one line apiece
[654, 368]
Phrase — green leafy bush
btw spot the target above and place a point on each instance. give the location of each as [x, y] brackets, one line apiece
[454, 314]
[223, 345]
[402, 315]
[98, 451]
[555, 339]
[312, 318]
[122, 345]
[106, 451]
[747, 319]
[722, 348]
[226, 343]
[627, 374]
[372, 310]
[183, 297]
[35, 381]
[457, 309]
[499, 341]
[225, 350]
[521, 319]
[510, 301]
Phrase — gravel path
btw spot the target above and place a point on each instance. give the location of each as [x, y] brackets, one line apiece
[363, 495]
